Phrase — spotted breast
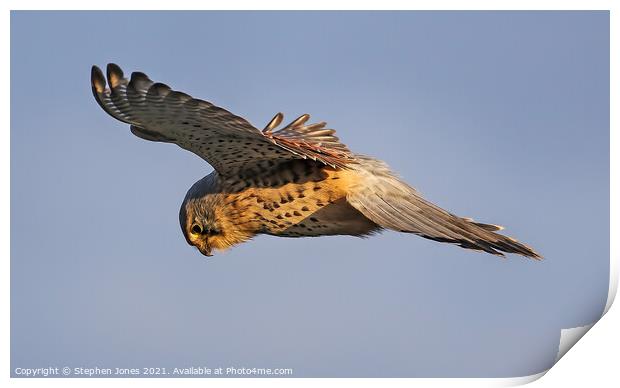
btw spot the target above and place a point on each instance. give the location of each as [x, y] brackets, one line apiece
[299, 199]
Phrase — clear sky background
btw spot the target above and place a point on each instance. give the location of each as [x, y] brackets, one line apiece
[503, 117]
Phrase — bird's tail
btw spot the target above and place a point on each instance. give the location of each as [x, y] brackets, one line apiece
[391, 203]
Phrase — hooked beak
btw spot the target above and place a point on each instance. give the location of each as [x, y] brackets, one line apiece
[205, 250]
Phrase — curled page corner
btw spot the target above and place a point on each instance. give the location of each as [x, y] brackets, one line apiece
[569, 337]
[517, 381]
[613, 284]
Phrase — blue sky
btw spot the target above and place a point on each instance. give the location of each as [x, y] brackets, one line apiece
[503, 117]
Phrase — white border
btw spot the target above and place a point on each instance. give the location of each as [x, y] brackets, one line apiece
[592, 362]
[313, 5]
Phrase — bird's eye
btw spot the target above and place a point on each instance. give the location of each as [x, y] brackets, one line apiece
[196, 229]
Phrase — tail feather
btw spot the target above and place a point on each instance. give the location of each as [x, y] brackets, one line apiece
[391, 203]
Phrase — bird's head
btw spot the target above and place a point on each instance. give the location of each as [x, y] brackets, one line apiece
[208, 224]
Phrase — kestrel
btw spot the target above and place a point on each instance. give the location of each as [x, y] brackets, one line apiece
[296, 181]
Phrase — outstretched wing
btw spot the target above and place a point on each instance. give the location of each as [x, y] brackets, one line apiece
[391, 203]
[226, 141]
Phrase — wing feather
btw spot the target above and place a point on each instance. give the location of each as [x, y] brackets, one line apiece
[228, 142]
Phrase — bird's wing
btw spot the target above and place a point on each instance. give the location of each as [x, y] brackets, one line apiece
[391, 203]
[226, 141]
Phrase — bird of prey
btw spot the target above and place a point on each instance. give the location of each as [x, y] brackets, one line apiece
[296, 181]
